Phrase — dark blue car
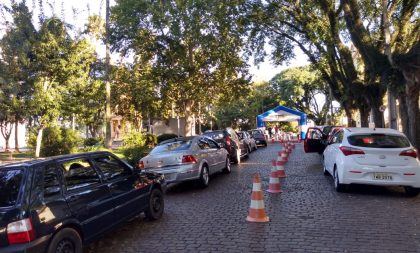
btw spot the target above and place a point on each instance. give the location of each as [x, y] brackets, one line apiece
[61, 203]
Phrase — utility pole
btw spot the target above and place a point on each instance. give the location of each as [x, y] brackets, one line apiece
[108, 139]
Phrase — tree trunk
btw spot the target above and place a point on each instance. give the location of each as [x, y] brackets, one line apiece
[188, 118]
[364, 116]
[350, 119]
[17, 136]
[403, 111]
[412, 95]
[38, 142]
[6, 131]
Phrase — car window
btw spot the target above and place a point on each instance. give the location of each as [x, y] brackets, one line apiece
[215, 135]
[314, 134]
[111, 167]
[203, 144]
[172, 146]
[79, 173]
[379, 141]
[10, 181]
[212, 144]
[51, 181]
[338, 137]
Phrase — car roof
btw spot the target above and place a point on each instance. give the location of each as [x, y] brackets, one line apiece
[367, 130]
[178, 139]
[33, 162]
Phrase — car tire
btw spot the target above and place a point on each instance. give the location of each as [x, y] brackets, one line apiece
[227, 168]
[156, 205]
[339, 187]
[66, 240]
[247, 153]
[324, 168]
[265, 144]
[411, 191]
[204, 177]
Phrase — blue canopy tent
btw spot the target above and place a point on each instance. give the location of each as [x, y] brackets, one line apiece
[283, 113]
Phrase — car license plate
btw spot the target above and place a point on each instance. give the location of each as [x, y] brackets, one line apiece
[382, 176]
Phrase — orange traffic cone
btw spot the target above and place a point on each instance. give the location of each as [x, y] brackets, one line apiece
[256, 210]
[280, 169]
[283, 156]
[274, 163]
[274, 186]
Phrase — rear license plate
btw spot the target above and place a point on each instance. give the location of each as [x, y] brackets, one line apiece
[382, 176]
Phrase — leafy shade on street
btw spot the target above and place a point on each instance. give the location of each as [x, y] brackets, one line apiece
[190, 59]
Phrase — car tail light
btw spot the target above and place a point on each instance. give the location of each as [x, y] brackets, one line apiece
[20, 231]
[410, 152]
[228, 141]
[188, 159]
[351, 151]
[141, 165]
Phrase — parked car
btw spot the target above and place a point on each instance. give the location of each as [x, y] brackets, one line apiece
[60, 203]
[247, 140]
[228, 139]
[187, 158]
[258, 136]
[376, 156]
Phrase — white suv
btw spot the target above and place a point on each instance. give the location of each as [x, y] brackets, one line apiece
[378, 156]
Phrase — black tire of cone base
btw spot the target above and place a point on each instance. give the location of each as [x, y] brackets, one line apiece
[156, 205]
[411, 191]
[67, 240]
[227, 169]
[204, 177]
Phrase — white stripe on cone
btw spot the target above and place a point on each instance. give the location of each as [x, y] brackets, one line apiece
[257, 204]
[256, 187]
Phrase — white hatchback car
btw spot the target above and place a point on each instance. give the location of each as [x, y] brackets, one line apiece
[378, 156]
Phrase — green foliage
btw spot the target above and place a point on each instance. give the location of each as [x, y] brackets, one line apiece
[134, 154]
[164, 137]
[89, 142]
[151, 140]
[56, 141]
[135, 146]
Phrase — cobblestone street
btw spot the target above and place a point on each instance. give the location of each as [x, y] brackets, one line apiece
[309, 216]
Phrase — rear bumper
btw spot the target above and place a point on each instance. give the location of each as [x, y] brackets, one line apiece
[260, 142]
[179, 173]
[37, 246]
[400, 176]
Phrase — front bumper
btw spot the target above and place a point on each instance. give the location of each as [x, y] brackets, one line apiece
[179, 173]
[388, 176]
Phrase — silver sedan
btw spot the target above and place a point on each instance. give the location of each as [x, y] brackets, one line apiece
[187, 158]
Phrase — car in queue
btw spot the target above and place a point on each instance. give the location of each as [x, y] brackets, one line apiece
[187, 158]
[258, 136]
[377, 156]
[228, 139]
[247, 140]
[61, 203]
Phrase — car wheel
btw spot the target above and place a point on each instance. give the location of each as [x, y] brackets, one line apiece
[265, 144]
[411, 191]
[227, 169]
[204, 177]
[255, 147]
[326, 173]
[247, 153]
[156, 205]
[66, 240]
[339, 187]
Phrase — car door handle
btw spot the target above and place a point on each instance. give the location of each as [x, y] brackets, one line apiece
[72, 198]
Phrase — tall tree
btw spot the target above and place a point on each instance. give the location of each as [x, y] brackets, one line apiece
[194, 48]
[15, 61]
[301, 88]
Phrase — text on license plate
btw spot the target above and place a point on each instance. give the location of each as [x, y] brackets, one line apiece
[382, 176]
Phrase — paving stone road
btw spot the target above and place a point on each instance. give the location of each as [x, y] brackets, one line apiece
[309, 216]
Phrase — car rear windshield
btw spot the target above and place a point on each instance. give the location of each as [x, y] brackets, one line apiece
[215, 135]
[172, 146]
[10, 180]
[379, 141]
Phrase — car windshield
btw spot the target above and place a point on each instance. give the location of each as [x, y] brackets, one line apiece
[215, 135]
[379, 141]
[10, 180]
[172, 146]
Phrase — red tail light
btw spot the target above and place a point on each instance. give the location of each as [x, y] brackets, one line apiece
[410, 152]
[228, 141]
[141, 164]
[188, 159]
[20, 231]
[351, 151]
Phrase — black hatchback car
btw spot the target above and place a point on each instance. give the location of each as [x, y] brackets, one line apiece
[61, 203]
[228, 139]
